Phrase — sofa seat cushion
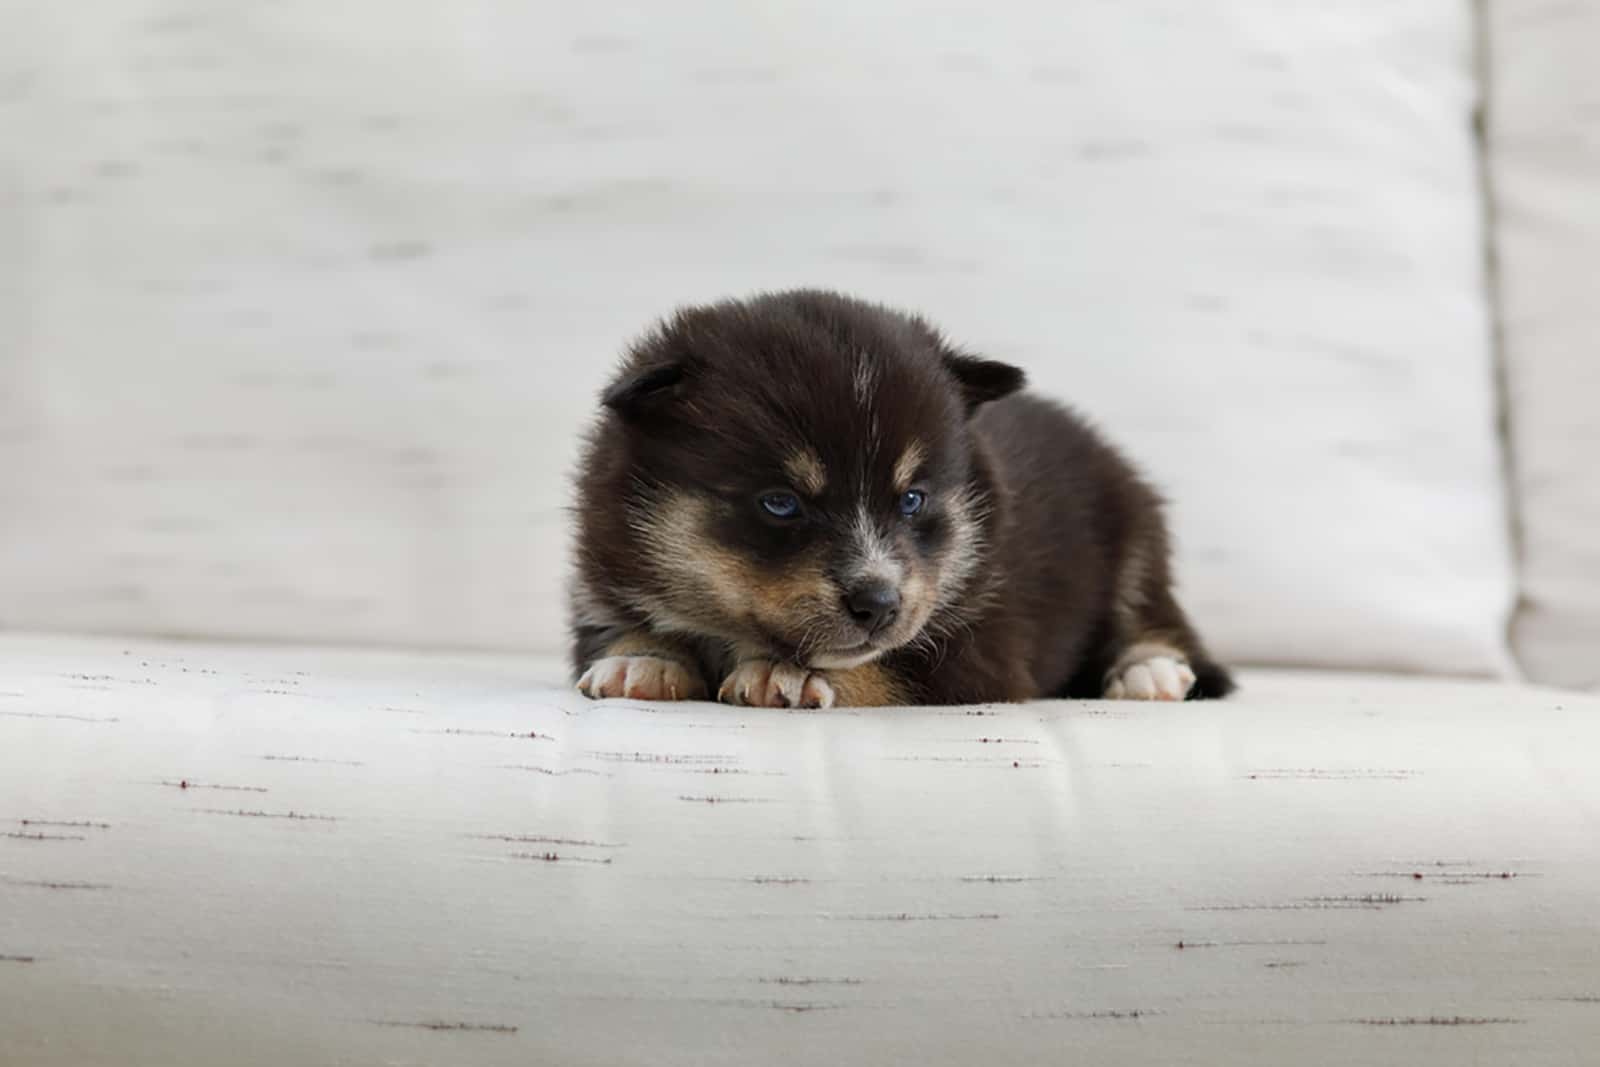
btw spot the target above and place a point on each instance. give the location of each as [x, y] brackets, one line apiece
[261, 855]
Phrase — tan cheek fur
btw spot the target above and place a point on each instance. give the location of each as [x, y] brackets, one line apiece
[967, 514]
[699, 574]
[919, 598]
[800, 590]
[930, 587]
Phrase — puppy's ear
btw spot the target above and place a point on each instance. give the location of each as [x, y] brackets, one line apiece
[983, 380]
[643, 390]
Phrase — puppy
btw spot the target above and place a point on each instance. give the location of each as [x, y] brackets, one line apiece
[803, 500]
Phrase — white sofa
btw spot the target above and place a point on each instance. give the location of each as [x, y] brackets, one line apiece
[307, 305]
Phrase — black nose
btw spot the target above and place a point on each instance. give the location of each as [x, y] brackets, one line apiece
[873, 604]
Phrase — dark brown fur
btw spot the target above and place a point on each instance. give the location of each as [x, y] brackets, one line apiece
[1039, 559]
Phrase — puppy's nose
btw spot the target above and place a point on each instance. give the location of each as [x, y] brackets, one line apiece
[873, 605]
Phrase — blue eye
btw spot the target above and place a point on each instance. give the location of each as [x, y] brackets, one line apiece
[911, 502]
[781, 505]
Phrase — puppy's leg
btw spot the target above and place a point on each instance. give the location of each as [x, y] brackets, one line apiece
[871, 685]
[1154, 652]
[642, 666]
[764, 683]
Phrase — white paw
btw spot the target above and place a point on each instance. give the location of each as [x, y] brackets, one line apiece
[1152, 678]
[641, 678]
[760, 683]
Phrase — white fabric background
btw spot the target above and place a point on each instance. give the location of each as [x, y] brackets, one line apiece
[305, 303]
[1544, 137]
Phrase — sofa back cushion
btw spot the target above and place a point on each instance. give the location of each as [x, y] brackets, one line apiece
[312, 301]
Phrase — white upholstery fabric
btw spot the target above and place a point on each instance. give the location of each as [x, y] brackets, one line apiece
[1544, 154]
[307, 302]
[272, 856]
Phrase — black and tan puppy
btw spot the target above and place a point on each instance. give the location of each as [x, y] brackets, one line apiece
[805, 500]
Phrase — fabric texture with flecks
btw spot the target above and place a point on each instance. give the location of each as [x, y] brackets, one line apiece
[261, 856]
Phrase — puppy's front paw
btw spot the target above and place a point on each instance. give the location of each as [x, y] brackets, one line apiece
[760, 683]
[641, 678]
[1153, 678]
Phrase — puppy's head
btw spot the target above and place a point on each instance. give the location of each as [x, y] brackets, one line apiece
[799, 473]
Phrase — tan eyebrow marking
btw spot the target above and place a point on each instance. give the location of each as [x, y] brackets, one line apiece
[806, 470]
[906, 470]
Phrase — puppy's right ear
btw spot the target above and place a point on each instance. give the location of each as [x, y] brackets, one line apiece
[983, 380]
[643, 390]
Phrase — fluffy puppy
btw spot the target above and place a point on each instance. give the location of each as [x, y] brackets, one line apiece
[805, 500]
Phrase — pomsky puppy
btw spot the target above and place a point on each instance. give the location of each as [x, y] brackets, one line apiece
[804, 500]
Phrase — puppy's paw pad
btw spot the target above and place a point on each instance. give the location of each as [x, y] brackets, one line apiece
[641, 678]
[1155, 678]
[759, 683]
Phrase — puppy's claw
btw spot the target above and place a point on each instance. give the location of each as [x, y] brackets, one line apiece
[817, 693]
[641, 678]
[762, 683]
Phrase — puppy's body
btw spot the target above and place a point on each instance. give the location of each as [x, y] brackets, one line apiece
[802, 499]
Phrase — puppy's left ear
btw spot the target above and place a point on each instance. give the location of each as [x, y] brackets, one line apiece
[983, 380]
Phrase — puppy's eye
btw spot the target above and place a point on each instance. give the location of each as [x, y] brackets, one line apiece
[781, 505]
[911, 502]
